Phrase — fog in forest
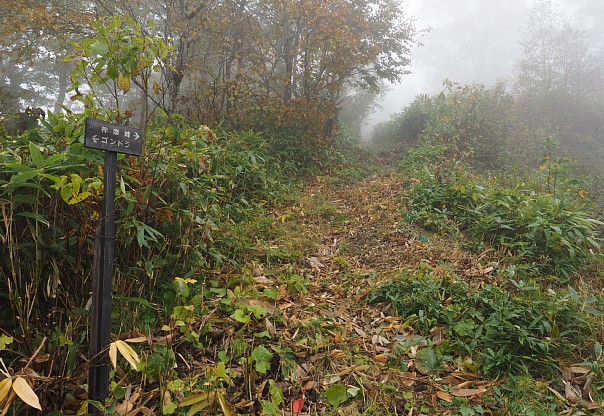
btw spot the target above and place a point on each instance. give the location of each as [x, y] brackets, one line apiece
[472, 41]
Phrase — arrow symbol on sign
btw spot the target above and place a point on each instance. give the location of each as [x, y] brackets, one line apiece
[136, 136]
[95, 139]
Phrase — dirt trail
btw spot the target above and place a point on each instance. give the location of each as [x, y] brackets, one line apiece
[361, 238]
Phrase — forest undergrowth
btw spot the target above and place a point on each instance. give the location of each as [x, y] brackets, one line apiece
[353, 298]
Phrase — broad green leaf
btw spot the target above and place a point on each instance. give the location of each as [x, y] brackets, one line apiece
[34, 216]
[275, 392]
[270, 408]
[25, 393]
[25, 176]
[36, 155]
[257, 310]
[262, 359]
[240, 316]
[79, 198]
[99, 48]
[336, 394]
[4, 341]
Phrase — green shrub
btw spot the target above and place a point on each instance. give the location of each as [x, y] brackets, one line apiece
[555, 235]
[527, 330]
[178, 210]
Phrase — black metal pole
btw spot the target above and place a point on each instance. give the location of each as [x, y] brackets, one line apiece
[102, 288]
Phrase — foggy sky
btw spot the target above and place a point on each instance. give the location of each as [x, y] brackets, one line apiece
[471, 41]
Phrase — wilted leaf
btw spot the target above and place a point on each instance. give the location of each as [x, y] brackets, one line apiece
[5, 386]
[224, 406]
[137, 340]
[113, 354]
[445, 396]
[25, 393]
[467, 392]
[206, 398]
[128, 353]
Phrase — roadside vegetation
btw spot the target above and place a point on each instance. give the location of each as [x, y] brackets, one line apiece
[268, 264]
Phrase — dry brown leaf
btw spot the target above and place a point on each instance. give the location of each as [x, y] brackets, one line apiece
[381, 358]
[145, 411]
[309, 385]
[443, 395]
[264, 281]
[124, 407]
[571, 393]
[580, 370]
[467, 392]
[337, 354]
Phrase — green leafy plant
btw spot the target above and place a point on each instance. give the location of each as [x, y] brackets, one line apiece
[525, 331]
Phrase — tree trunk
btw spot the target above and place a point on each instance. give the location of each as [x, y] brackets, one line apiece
[62, 70]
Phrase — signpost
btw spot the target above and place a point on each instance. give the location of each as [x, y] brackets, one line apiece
[114, 139]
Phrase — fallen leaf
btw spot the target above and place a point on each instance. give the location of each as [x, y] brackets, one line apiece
[467, 392]
[381, 358]
[297, 406]
[443, 395]
[580, 370]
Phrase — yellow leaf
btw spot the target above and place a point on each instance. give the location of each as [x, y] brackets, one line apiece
[225, 406]
[207, 396]
[128, 353]
[113, 354]
[25, 393]
[5, 386]
[137, 340]
[123, 83]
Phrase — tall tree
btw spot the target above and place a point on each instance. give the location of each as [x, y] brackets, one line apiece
[35, 38]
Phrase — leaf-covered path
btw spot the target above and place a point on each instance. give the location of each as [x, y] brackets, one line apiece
[356, 236]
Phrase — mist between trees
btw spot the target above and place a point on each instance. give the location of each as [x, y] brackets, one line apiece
[553, 104]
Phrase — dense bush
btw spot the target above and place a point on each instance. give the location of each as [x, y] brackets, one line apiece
[550, 234]
[178, 209]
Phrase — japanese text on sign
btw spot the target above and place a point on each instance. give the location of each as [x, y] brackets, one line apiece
[113, 137]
